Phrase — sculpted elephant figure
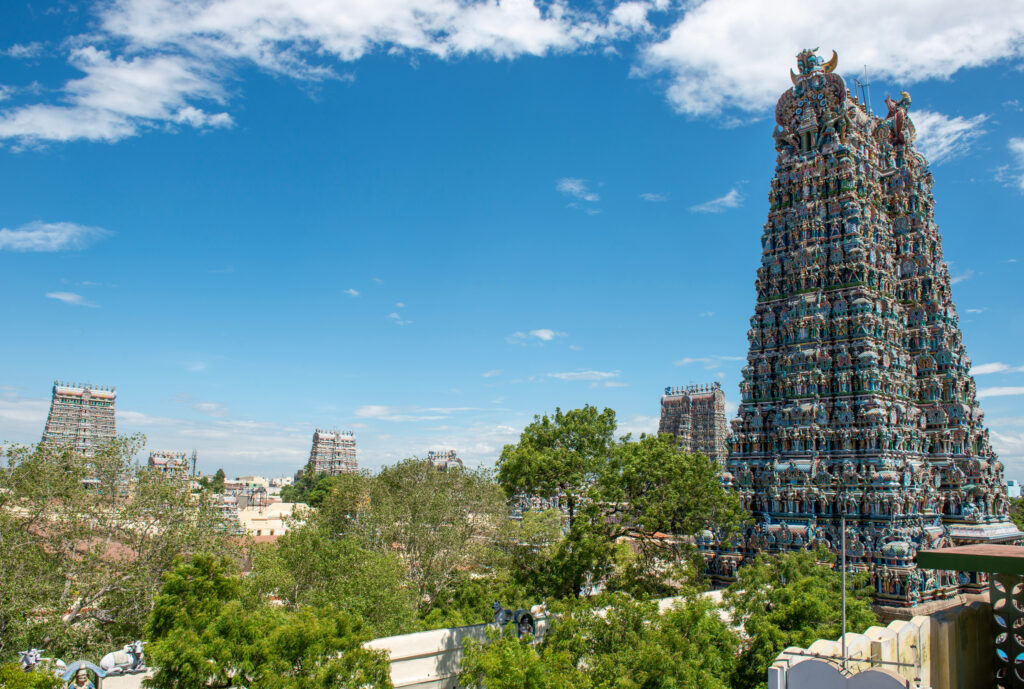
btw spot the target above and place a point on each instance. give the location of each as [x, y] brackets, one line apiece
[129, 659]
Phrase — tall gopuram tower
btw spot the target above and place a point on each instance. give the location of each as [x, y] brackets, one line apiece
[695, 415]
[857, 399]
[333, 452]
[81, 417]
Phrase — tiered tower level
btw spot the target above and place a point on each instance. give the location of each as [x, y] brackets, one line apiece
[857, 398]
[333, 452]
[81, 417]
[695, 415]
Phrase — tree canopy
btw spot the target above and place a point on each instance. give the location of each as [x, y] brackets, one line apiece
[84, 541]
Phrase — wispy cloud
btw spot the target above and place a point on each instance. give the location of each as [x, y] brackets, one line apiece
[981, 310]
[399, 305]
[397, 319]
[995, 367]
[351, 292]
[23, 51]
[50, 236]
[1000, 391]
[706, 314]
[609, 384]
[578, 189]
[71, 298]
[1014, 174]
[654, 197]
[492, 373]
[572, 376]
[732, 199]
[542, 334]
[195, 366]
[710, 362]
[213, 409]
[941, 138]
[966, 275]
[156, 64]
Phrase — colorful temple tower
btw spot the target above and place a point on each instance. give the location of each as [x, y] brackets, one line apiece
[695, 415]
[857, 399]
[333, 452]
[81, 417]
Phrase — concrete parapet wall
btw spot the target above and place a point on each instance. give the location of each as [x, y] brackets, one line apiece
[951, 649]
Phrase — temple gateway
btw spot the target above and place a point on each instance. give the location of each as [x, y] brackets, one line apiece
[857, 399]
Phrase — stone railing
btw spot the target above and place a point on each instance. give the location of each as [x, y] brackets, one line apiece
[949, 649]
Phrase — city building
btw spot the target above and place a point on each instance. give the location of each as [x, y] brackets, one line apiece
[856, 400]
[444, 459]
[695, 415]
[81, 417]
[267, 522]
[333, 452]
[170, 462]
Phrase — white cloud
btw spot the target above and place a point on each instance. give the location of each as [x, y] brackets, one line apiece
[399, 305]
[491, 374]
[736, 54]
[542, 334]
[398, 320]
[999, 392]
[584, 375]
[50, 236]
[117, 97]
[352, 292]
[546, 334]
[71, 298]
[637, 425]
[214, 409]
[196, 366]
[941, 138]
[995, 367]
[710, 362]
[1016, 146]
[706, 314]
[981, 310]
[158, 62]
[732, 199]
[966, 275]
[609, 384]
[577, 188]
[24, 50]
[575, 348]
[654, 197]
[382, 412]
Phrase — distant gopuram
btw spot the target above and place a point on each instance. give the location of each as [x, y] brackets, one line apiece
[444, 459]
[81, 417]
[333, 452]
[857, 398]
[695, 415]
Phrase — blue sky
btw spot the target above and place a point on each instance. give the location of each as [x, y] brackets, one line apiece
[426, 221]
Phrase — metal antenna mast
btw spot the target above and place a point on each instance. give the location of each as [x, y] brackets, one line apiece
[865, 89]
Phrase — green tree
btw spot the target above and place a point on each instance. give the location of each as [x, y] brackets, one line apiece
[652, 494]
[619, 642]
[310, 567]
[83, 542]
[13, 677]
[1017, 512]
[439, 522]
[205, 631]
[558, 457]
[217, 484]
[644, 492]
[791, 599]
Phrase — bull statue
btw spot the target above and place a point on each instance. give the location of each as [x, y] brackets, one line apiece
[129, 659]
[33, 659]
[523, 620]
